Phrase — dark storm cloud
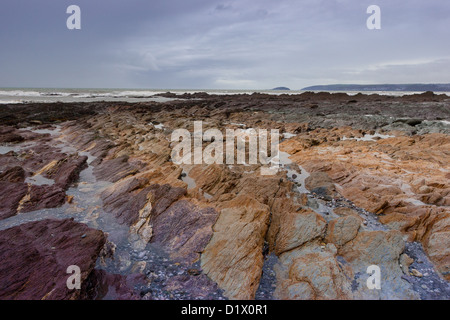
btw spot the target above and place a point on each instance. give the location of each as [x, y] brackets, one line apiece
[222, 44]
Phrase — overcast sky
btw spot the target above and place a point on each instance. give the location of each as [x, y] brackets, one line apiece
[209, 44]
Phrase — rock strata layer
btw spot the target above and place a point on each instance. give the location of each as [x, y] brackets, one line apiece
[364, 182]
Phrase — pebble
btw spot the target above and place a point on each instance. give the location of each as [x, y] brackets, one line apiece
[416, 273]
[194, 272]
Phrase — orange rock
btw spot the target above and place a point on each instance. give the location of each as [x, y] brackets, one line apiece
[233, 258]
[342, 230]
[298, 228]
[310, 273]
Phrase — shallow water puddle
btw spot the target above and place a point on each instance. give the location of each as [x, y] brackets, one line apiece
[6, 149]
[14, 147]
[188, 180]
[370, 137]
[53, 132]
[39, 180]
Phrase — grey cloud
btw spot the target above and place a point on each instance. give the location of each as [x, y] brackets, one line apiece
[222, 44]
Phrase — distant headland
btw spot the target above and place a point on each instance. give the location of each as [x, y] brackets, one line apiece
[381, 87]
[281, 88]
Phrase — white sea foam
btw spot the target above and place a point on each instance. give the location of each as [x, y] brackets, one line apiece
[10, 101]
[133, 95]
[20, 93]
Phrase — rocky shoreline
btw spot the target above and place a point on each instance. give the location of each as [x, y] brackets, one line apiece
[364, 181]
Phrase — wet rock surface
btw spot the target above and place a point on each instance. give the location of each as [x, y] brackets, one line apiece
[39, 167]
[426, 282]
[364, 181]
[35, 257]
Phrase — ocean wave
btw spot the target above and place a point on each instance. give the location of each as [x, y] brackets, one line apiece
[20, 93]
[10, 101]
[74, 94]
[11, 96]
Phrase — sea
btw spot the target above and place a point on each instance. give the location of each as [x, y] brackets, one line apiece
[49, 95]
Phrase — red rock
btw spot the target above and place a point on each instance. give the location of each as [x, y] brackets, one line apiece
[67, 170]
[184, 229]
[115, 169]
[35, 257]
[11, 137]
[101, 285]
[126, 198]
[10, 196]
[41, 197]
[15, 174]
[198, 287]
